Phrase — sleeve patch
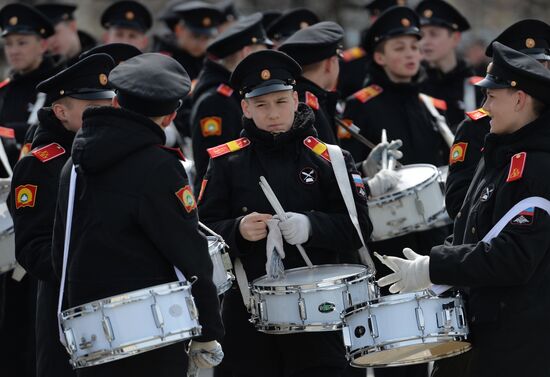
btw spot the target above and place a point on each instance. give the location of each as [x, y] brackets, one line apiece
[25, 196]
[211, 126]
[525, 217]
[359, 185]
[457, 153]
[185, 195]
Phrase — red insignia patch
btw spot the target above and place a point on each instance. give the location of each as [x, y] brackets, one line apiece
[4, 82]
[342, 133]
[25, 149]
[8, 133]
[211, 126]
[477, 114]
[439, 104]
[226, 148]
[353, 54]
[368, 93]
[49, 152]
[203, 187]
[25, 196]
[312, 100]
[517, 164]
[318, 147]
[185, 195]
[225, 90]
[457, 153]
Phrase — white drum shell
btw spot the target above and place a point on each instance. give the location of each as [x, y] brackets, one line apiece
[405, 329]
[416, 204]
[7, 240]
[221, 274]
[290, 308]
[138, 321]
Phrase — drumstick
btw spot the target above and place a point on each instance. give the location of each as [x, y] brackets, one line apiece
[272, 199]
[208, 230]
[384, 139]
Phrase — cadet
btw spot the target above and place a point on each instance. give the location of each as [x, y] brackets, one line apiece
[289, 23]
[230, 14]
[119, 52]
[34, 192]
[317, 49]
[134, 213]
[532, 37]
[67, 42]
[507, 274]
[449, 77]
[354, 64]
[24, 30]
[279, 142]
[216, 116]
[127, 22]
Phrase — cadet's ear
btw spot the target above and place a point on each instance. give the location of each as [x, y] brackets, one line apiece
[379, 58]
[296, 100]
[115, 102]
[167, 119]
[59, 111]
[245, 106]
[521, 100]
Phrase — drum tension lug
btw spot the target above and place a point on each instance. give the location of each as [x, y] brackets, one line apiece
[85, 344]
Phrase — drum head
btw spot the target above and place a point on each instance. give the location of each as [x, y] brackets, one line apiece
[413, 354]
[412, 176]
[317, 274]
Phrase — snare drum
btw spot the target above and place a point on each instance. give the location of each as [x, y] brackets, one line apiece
[309, 299]
[221, 275]
[402, 329]
[415, 204]
[5, 184]
[7, 240]
[130, 323]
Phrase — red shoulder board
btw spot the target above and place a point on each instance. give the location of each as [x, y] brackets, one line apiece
[439, 104]
[231, 146]
[317, 146]
[49, 152]
[176, 151]
[477, 114]
[25, 149]
[517, 164]
[368, 93]
[475, 79]
[193, 86]
[353, 54]
[7, 132]
[4, 82]
[312, 100]
[225, 90]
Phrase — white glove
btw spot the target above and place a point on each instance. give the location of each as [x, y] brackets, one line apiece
[205, 354]
[409, 275]
[296, 228]
[274, 267]
[383, 181]
[373, 163]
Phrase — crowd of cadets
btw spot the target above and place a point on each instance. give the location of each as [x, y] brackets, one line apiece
[248, 98]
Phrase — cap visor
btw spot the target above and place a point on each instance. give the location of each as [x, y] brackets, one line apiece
[260, 91]
[104, 94]
[210, 32]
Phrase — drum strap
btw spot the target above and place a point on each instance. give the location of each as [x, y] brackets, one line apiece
[66, 244]
[533, 201]
[469, 96]
[342, 177]
[442, 126]
[5, 161]
[242, 282]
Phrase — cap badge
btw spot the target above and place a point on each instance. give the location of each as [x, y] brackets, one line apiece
[265, 75]
[13, 20]
[401, 2]
[254, 40]
[206, 21]
[455, 26]
[61, 92]
[65, 16]
[42, 31]
[428, 13]
[303, 25]
[103, 79]
[530, 43]
[405, 22]
[513, 83]
[130, 15]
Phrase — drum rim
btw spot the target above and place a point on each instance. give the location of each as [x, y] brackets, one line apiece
[219, 245]
[365, 273]
[118, 353]
[388, 198]
[415, 228]
[225, 286]
[113, 301]
[412, 297]
[395, 345]
[7, 267]
[271, 328]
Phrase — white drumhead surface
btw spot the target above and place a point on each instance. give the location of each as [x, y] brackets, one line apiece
[413, 175]
[315, 274]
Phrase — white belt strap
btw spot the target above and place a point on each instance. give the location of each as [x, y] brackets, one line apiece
[341, 174]
[242, 282]
[5, 161]
[533, 201]
[66, 244]
[469, 96]
[442, 126]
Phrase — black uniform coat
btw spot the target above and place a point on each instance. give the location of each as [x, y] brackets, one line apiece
[509, 278]
[213, 105]
[450, 88]
[130, 229]
[323, 104]
[233, 192]
[399, 110]
[16, 101]
[461, 172]
[353, 71]
[33, 239]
